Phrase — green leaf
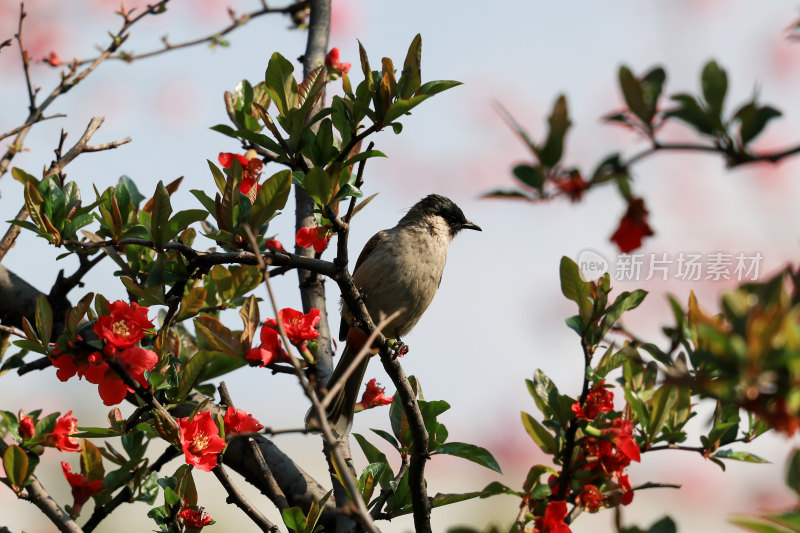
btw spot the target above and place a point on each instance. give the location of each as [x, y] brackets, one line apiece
[793, 472]
[752, 120]
[531, 176]
[540, 434]
[183, 219]
[190, 372]
[387, 437]
[634, 94]
[714, 82]
[281, 85]
[664, 401]
[652, 84]
[401, 107]
[159, 221]
[15, 463]
[410, 78]
[435, 87]
[374, 455]
[575, 289]
[624, 302]
[365, 68]
[747, 457]
[318, 184]
[759, 526]
[219, 364]
[364, 155]
[270, 198]
[44, 319]
[550, 154]
[689, 111]
[476, 454]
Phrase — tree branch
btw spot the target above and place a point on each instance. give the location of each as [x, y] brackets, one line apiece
[236, 497]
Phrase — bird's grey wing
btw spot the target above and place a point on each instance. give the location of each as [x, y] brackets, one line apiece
[372, 243]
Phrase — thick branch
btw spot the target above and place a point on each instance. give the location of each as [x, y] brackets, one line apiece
[236, 497]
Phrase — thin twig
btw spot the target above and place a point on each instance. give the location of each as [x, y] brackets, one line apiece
[26, 60]
[13, 331]
[327, 432]
[273, 490]
[29, 124]
[236, 497]
[211, 38]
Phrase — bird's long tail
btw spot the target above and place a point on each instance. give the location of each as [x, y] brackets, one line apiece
[340, 410]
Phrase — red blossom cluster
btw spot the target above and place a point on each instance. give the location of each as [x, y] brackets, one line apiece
[251, 168]
[274, 245]
[300, 327]
[335, 67]
[61, 436]
[317, 237]
[605, 452]
[374, 396]
[633, 227]
[120, 331]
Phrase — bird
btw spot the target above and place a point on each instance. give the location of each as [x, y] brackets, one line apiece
[399, 270]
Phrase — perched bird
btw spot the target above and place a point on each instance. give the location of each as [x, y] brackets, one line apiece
[399, 269]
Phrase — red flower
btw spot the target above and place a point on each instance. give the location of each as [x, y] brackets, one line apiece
[194, 518]
[573, 186]
[299, 327]
[599, 400]
[316, 237]
[270, 351]
[61, 437]
[125, 326]
[251, 169]
[621, 432]
[26, 428]
[200, 441]
[53, 60]
[373, 396]
[110, 386]
[553, 521]
[633, 227]
[590, 498]
[82, 487]
[65, 363]
[240, 421]
[274, 245]
[334, 66]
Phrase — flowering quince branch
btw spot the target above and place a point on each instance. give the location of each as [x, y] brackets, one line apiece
[327, 432]
[236, 497]
[38, 496]
[729, 137]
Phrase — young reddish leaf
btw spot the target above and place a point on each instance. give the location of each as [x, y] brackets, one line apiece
[365, 68]
[217, 337]
[92, 461]
[251, 319]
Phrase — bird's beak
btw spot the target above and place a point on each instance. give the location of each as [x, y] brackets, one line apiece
[471, 225]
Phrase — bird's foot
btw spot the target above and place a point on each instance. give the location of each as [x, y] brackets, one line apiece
[398, 347]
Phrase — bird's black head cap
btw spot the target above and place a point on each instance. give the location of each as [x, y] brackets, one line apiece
[438, 205]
